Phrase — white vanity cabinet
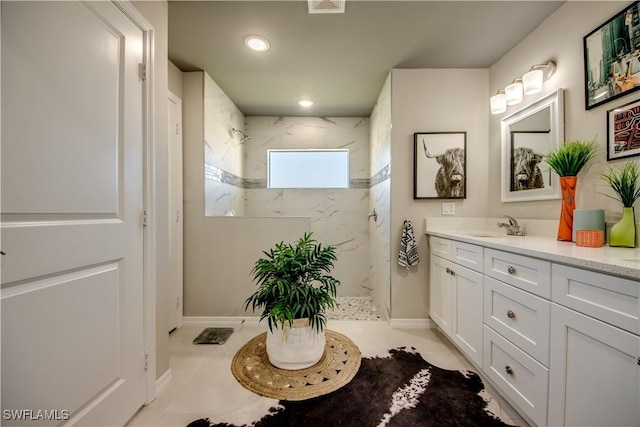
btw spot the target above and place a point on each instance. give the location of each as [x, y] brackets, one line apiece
[560, 341]
[595, 349]
[455, 294]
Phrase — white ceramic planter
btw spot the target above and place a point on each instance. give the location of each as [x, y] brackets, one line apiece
[295, 347]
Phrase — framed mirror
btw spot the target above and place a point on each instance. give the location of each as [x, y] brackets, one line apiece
[527, 136]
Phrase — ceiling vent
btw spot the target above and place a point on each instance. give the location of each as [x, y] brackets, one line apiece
[326, 6]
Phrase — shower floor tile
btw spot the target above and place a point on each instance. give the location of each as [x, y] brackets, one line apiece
[354, 308]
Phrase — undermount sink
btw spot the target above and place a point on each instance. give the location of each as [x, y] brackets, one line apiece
[485, 234]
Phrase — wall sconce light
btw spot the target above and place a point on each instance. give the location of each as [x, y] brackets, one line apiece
[529, 84]
[498, 102]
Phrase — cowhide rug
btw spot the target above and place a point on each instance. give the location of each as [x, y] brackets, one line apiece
[399, 390]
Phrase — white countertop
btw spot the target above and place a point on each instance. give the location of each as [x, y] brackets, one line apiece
[623, 262]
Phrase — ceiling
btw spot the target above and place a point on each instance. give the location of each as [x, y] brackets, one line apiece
[340, 61]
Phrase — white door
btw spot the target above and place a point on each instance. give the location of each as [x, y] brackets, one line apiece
[175, 209]
[72, 212]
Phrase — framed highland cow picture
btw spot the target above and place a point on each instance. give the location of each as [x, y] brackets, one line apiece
[439, 165]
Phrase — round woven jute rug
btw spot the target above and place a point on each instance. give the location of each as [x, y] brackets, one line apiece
[338, 365]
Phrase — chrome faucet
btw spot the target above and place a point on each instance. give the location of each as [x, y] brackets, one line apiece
[513, 228]
[374, 214]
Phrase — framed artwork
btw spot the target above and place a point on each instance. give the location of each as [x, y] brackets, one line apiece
[439, 165]
[611, 58]
[623, 131]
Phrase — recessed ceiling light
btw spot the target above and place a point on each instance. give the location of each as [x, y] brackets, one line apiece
[305, 103]
[257, 43]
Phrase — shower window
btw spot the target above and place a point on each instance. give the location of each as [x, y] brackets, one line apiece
[308, 168]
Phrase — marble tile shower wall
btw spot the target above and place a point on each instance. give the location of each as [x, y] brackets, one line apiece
[380, 199]
[223, 152]
[338, 216]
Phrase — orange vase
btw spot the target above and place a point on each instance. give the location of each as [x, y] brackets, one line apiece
[565, 227]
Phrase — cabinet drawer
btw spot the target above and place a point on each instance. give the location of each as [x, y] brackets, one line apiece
[440, 247]
[530, 274]
[517, 375]
[611, 299]
[519, 316]
[465, 254]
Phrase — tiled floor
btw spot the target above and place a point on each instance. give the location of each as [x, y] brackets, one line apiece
[354, 308]
[202, 385]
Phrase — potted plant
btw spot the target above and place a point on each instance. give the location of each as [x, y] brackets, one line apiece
[567, 160]
[625, 182]
[294, 290]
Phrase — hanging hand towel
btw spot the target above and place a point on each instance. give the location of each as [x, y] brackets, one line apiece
[408, 256]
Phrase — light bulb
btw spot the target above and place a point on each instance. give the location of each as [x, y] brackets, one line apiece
[532, 81]
[257, 43]
[498, 103]
[514, 92]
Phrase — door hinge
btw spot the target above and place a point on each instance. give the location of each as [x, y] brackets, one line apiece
[146, 360]
[145, 218]
[142, 71]
[177, 130]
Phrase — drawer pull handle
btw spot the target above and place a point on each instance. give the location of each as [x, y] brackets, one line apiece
[453, 273]
[511, 314]
[448, 270]
[508, 370]
[511, 270]
[638, 361]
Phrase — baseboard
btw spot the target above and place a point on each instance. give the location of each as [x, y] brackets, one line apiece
[238, 321]
[222, 321]
[412, 324]
[163, 382]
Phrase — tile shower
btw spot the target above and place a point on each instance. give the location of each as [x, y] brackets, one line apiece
[338, 216]
[235, 182]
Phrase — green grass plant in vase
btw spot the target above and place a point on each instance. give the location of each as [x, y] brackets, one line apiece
[625, 182]
[567, 159]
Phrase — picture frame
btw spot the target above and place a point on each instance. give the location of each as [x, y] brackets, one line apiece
[439, 165]
[623, 131]
[612, 58]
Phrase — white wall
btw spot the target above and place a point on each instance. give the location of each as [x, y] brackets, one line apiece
[193, 175]
[175, 80]
[430, 101]
[380, 200]
[558, 38]
[338, 216]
